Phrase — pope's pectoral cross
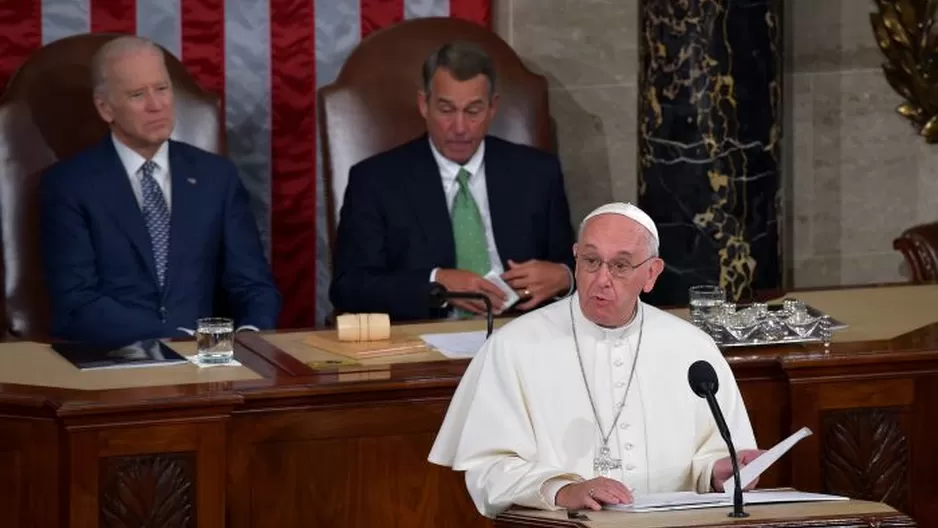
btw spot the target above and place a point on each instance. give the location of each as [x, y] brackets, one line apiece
[604, 463]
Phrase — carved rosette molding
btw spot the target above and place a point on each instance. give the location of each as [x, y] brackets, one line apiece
[150, 491]
[866, 455]
[907, 34]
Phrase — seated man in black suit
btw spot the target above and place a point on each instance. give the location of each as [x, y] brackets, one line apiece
[451, 206]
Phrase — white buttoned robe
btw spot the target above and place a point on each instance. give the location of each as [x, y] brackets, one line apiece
[521, 425]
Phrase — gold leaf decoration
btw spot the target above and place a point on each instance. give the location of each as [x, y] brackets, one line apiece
[907, 34]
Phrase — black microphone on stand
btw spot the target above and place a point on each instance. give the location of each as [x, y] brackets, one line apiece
[439, 295]
[703, 381]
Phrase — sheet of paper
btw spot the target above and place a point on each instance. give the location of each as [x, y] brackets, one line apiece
[511, 296]
[758, 466]
[688, 500]
[456, 345]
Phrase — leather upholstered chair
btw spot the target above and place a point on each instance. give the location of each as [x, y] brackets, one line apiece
[919, 246]
[372, 105]
[47, 114]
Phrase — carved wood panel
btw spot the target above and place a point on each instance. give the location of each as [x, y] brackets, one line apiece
[12, 484]
[148, 491]
[865, 455]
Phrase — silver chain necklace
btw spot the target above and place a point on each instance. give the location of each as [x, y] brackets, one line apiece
[603, 463]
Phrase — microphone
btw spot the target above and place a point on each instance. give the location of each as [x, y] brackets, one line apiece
[703, 381]
[439, 295]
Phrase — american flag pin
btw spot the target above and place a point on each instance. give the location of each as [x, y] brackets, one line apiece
[191, 180]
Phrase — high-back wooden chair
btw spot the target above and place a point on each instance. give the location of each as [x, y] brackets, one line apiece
[372, 105]
[47, 114]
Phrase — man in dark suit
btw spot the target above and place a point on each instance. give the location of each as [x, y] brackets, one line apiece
[140, 233]
[451, 206]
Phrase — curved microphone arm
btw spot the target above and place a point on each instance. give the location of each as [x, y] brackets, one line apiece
[439, 295]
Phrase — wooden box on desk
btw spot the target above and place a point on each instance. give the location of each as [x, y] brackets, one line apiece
[846, 514]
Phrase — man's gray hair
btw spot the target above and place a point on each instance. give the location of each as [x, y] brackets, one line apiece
[112, 50]
[651, 242]
[464, 60]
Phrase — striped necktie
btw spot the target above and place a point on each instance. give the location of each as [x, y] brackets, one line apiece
[156, 216]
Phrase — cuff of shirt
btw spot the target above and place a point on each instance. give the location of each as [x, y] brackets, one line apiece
[550, 488]
[248, 327]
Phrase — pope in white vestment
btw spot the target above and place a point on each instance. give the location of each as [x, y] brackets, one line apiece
[522, 424]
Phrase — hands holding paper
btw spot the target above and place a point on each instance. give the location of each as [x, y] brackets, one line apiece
[458, 280]
[537, 280]
[723, 469]
[593, 494]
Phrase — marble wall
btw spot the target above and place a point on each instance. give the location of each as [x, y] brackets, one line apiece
[856, 173]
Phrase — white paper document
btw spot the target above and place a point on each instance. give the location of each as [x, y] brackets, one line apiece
[689, 500]
[511, 296]
[758, 466]
[456, 345]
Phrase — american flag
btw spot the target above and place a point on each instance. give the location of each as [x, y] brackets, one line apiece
[265, 59]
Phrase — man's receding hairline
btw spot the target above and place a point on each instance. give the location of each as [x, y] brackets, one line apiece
[118, 49]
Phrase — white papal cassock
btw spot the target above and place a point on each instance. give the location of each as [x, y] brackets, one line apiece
[521, 425]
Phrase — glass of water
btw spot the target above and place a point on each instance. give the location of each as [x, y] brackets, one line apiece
[705, 300]
[214, 337]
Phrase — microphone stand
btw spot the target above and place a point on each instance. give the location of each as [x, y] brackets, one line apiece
[439, 295]
[489, 318]
[725, 433]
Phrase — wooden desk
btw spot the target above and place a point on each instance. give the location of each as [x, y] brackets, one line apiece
[816, 515]
[277, 443]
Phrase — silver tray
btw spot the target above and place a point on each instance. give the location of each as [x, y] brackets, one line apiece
[724, 339]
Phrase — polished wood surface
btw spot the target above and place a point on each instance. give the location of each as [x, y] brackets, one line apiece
[347, 445]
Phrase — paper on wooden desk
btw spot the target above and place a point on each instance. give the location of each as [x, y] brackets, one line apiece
[758, 466]
[456, 345]
[689, 500]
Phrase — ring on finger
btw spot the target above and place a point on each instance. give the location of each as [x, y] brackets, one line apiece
[592, 492]
[526, 292]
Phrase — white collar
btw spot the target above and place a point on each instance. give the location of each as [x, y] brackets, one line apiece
[602, 333]
[132, 161]
[450, 168]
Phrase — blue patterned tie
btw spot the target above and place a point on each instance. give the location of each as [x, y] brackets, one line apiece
[156, 215]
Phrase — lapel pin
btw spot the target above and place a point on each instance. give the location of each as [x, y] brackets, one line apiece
[191, 180]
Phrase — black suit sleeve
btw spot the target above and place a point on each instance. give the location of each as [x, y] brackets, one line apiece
[363, 280]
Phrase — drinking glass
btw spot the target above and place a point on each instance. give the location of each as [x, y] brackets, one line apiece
[214, 337]
[704, 301]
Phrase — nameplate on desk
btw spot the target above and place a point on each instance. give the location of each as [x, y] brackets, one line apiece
[149, 353]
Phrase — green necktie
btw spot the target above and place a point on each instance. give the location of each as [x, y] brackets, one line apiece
[472, 253]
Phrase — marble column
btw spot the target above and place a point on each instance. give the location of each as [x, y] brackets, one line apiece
[709, 137]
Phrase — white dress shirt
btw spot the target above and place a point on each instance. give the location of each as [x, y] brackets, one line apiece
[476, 167]
[133, 162]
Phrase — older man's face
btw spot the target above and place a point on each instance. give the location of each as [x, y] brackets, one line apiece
[619, 242]
[139, 102]
[458, 114]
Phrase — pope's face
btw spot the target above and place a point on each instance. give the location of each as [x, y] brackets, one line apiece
[458, 114]
[608, 295]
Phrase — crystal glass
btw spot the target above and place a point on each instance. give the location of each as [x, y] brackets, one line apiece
[214, 338]
[704, 300]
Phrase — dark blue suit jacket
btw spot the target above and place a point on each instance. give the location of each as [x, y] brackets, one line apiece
[98, 261]
[395, 227]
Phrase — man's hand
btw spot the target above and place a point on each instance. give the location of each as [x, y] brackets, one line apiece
[723, 468]
[536, 280]
[456, 280]
[593, 494]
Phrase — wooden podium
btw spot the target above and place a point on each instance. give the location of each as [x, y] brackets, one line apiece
[840, 514]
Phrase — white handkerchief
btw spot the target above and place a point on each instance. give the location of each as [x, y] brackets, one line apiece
[511, 296]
